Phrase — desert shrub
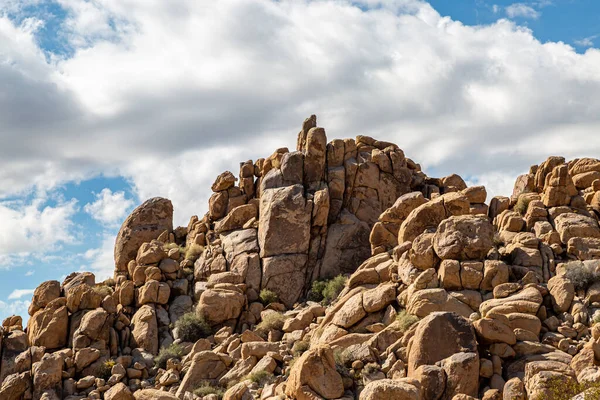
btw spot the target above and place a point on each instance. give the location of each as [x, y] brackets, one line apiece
[268, 296]
[193, 251]
[103, 290]
[371, 368]
[404, 320]
[191, 327]
[566, 389]
[581, 274]
[188, 271]
[169, 246]
[316, 291]
[300, 347]
[261, 378]
[271, 321]
[342, 359]
[105, 369]
[172, 351]
[596, 319]
[522, 204]
[327, 291]
[333, 288]
[205, 388]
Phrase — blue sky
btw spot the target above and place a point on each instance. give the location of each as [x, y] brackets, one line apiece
[104, 104]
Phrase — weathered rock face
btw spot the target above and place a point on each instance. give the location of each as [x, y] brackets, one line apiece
[145, 223]
[314, 374]
[447, 298]
[49, 326]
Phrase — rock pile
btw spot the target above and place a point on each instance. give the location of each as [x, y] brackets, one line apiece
[444, 297]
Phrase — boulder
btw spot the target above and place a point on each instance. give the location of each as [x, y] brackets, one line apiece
[284, 225]
[285, 275]
[144, 224]
[315, 373]
[43, 295]
[205, 365]
[438, 336]
[570, 225]
[49, 327]
[465, 237]
[388, 389]
[145, 329]
[426, 301]
[220, 305]
[118, 392]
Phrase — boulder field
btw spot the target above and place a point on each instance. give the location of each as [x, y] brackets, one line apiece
[336, 271]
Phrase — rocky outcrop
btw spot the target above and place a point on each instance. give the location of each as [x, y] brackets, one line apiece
[441, 296]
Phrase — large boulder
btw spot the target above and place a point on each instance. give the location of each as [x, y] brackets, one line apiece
[285, 275]
[429, 215]
[205, 365]
[144, 224]
[284, 226]
[570, 225]
[49, 327]
[43, 295]
[438, 336]
[220, 305]
[145, 329]
[314, 374]
[388, 389]
[465, 237]
[426, 301]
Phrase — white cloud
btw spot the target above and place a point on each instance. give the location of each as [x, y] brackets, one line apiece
[522, 10]
[109, 208]
[17, 307]
[170, 94]
[586, 42]
[100, 260]
[34, 228]
[495, 8]
[29, 273]
[18, 293]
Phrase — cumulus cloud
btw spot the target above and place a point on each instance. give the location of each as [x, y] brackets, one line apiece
[109, 208]
[522, 10]
[17, 307]
[18, 293]
[170, 94]
[100, 260]
[587, 41]
[33, 228]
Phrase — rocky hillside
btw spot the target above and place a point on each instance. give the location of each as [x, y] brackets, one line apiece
[336, 271]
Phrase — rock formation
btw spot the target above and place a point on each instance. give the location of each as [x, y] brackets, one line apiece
[427, 291]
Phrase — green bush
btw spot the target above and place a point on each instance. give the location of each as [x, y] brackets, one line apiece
[260, 377]
[316, 291]
[522, 204]
[205, 388]
[327, 291]
[300, 347]
[166, 353]
[342, 359]
[272, 321]
[581, 274]
[404, 320]
[103, 290]
[268, 296]
[565, 388]
[191, 327]
[105, 369]
[371, 368]
[193, 252]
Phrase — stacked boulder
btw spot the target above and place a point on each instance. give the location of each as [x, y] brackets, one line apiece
[445, 297]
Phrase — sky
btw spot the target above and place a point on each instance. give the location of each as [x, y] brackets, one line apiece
[105, 103]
